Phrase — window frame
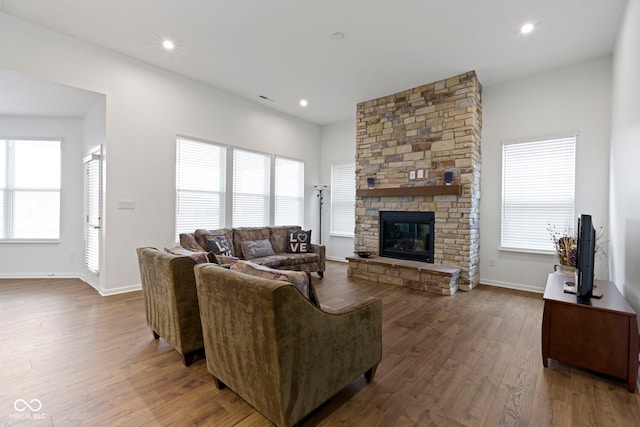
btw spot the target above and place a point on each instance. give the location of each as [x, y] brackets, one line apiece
[267, 184]
[299, 199]
[532, 156]
[221, 192]
[8, 213]
[339, 196]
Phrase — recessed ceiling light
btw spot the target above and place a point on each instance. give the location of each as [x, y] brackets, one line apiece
[526, 28]
[303, 103]
[168, 44]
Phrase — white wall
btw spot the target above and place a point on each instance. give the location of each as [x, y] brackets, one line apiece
[145, 108]
[338, 147]
[625, 155]
[65, 258]
[572, 98]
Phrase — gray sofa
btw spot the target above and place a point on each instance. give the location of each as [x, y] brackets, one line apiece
[312, 261]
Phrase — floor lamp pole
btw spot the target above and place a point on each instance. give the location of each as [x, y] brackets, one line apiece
[320, 188]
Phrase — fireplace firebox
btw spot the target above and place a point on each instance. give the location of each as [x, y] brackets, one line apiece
[407, 235]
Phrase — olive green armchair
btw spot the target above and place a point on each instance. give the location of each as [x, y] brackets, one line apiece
[276, 349]
[171, 301]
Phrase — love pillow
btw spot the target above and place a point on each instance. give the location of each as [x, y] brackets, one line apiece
[298, 241]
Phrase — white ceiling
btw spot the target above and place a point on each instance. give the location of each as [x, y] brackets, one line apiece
[283, 48]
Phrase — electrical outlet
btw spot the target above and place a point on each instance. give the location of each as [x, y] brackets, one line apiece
[420, 173]
[412, 174]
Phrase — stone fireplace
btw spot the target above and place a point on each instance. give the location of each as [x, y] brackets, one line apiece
[406, 142]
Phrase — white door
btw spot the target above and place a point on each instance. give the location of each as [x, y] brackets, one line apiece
[92, 209]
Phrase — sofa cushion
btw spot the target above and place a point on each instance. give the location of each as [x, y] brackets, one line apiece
[298, 279]
[279, 237]
[299, 241]
[288, 260]
[256, 249]
[219, 245]
[199, 257]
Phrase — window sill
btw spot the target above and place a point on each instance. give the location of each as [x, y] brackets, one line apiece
[526, 251]
[351, 236]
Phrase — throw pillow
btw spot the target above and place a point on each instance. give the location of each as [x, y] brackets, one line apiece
[299, 241]
[299, 279]
[198, 257]
[188, 241]
[257, 249]
[201, 235]
[219, 245]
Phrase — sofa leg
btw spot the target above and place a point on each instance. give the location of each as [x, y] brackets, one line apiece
[321, 274]
[219, 384]
[155, 335]
[187, 358]
[370, 373]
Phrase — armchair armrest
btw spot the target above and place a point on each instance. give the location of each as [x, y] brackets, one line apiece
[348, 308]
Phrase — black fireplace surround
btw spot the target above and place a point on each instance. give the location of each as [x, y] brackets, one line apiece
[407, 235]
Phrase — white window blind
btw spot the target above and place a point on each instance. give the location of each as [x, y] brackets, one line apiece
[30, 189]
[538, 191]
[251, 188]
[92, 212]
[200, 185]
[343, 198]
[289, 192]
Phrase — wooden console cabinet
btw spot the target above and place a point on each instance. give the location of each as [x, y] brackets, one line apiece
[600, 335]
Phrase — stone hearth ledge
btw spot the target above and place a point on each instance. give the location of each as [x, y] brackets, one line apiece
[438, 278]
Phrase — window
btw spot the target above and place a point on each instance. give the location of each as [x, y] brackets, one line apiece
[289, 192]
[249, 195]
[30, 189]
[343, 198]
[200, 185]
[538, 191]
[251, 188]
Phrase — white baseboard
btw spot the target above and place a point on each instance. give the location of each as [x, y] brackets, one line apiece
[40, 276]
[515, 286]
[331, 258]
[120, 290]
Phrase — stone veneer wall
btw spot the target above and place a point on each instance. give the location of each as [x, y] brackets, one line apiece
[436, 128]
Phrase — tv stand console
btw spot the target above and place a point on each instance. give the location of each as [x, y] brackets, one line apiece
[598, 334]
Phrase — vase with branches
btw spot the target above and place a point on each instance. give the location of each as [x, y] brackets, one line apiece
[565, 242]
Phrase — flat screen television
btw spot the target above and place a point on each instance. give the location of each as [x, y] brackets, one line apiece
[586, 249]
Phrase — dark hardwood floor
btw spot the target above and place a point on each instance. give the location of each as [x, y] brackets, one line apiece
[472, 359]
